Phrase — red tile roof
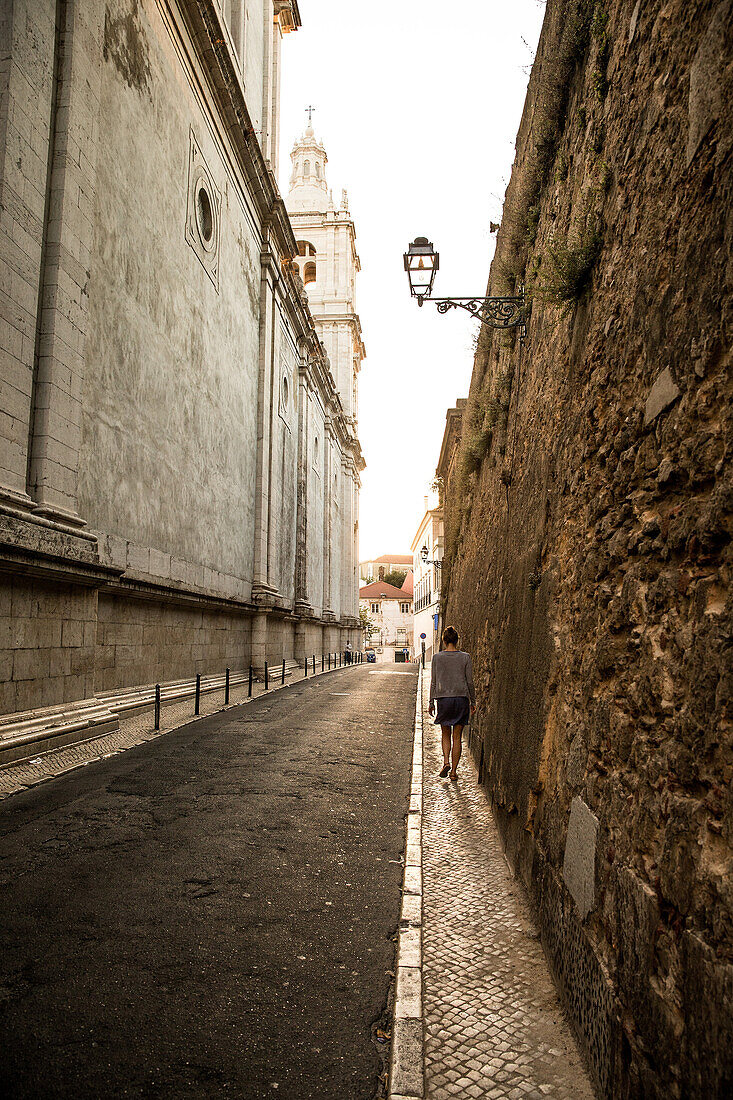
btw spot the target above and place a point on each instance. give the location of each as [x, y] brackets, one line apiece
[408, 586]
[394, 559]
[387, 591]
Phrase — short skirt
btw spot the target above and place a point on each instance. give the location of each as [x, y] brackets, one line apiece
[453, 710]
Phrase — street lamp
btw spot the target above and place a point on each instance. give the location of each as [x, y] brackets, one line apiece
[428, 561]
[421, 263]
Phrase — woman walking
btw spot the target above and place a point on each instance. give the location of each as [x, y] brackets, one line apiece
[451, 687]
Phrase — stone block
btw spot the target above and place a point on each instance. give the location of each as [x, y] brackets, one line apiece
[76, 687]
[8, 697]
[6, 664]
[138, 558]
[160, 564]
[59, 662]
[662, 394]
[104, 657]
[579, 864]
[72, 633]
[82, 661]
[123, 634]
[30, 664]
[406, 1077]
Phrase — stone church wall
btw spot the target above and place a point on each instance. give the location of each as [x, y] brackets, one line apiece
[151, 515]
[168, 455]
[589, 522]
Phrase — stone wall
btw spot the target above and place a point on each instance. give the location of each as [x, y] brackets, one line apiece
[159, 360]
[588, 529]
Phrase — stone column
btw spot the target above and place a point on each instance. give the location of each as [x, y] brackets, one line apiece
[265, 397]
[327, 507]
[61, 345]
[28, 72]
[302, 603]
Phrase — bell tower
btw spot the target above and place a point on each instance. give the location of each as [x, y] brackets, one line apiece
[328, 263]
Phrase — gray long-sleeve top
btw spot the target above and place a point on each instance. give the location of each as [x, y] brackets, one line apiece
[451, 675]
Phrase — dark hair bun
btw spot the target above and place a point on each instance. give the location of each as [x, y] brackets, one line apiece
[450, 636]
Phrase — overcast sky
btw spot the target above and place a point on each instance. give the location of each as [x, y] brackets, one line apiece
[418, 105]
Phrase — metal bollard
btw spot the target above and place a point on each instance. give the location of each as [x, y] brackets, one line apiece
[314, 664]
[305, 665]
[197, 700]
[157, 706]
[266, 680]
[283, 680]
[226, 690]
[321, 662]
[249, 690]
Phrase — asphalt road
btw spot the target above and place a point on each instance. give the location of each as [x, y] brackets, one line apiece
[211, 913]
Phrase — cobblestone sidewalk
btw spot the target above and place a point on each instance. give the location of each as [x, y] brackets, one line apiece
[493, 1025]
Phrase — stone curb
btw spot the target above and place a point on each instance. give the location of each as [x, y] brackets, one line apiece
[407, 1074]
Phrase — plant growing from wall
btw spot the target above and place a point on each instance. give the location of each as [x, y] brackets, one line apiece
[395, 577]
[568, 264]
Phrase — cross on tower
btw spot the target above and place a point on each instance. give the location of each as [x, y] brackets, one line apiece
[310, 111]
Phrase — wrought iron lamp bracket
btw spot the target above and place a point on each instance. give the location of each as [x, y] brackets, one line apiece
[494, 312]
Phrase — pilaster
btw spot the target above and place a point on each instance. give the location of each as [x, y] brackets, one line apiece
[62, 328]
[30, 57]
[302, 603]
[261, 587]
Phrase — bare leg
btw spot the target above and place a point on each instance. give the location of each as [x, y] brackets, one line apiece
[457, 744]
[445, 730]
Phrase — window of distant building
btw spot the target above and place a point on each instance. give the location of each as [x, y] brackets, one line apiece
[375, 608]
[309, 273]
[305, 248]
[318, 170]
[405, 608]
[306, 168]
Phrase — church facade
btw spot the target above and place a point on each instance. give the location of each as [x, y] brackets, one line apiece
[177, 457]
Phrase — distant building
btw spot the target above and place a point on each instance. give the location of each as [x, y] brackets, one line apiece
[378, 568]
[426, 607]
[390, 611]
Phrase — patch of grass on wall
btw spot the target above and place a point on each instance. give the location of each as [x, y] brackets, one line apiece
[568, 265]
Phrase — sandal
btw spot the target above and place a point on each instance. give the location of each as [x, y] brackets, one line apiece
[454, 777]
[444, 771]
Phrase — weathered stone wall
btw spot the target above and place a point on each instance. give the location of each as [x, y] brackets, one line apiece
[169, 433]
[158, 354]
[589, 528]
[139, 642]
[47, 643]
